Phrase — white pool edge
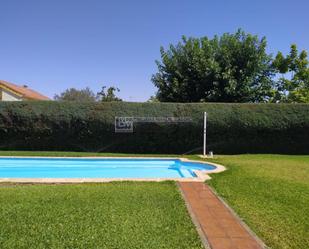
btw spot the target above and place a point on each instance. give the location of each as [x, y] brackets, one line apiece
[201, 175]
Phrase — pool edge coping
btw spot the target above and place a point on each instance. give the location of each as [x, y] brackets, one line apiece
[202, 175]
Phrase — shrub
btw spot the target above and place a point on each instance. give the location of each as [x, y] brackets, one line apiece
[231, 128]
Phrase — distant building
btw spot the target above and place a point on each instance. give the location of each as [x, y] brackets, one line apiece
[12, 92]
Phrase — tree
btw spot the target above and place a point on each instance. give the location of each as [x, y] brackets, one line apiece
[73, 94]
[230, 68]
[109, 95]
[293, 85]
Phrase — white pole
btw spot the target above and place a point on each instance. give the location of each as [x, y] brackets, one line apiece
[204, 144]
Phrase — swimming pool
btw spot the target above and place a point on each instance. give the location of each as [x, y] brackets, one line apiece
[99, 168]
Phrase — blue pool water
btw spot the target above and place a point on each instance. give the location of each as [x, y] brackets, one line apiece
[98, 168]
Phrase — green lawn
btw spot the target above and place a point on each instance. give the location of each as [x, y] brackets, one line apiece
[77, 154]
[119, 215]
[271, 193]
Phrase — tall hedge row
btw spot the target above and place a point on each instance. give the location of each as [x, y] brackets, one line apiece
[232, 128]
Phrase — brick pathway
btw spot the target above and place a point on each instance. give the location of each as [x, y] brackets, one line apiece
[220, 227]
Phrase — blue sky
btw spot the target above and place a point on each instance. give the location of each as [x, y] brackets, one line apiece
[54, 45]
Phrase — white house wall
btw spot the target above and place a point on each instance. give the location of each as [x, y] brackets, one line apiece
[8, 96]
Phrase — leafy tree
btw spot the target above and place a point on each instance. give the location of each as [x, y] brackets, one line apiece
[293, 85]
[73, 94]
[230, 68]
[108, 95]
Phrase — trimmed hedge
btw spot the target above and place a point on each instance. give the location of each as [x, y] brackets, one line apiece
[232, 128]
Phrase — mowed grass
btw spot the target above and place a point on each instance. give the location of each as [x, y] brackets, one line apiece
[77, 154]
[271, 194]
[110, 215]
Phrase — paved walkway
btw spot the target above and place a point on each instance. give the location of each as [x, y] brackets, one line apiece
[220, 227]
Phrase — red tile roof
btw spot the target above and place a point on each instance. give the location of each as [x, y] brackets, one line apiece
[25, 92]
